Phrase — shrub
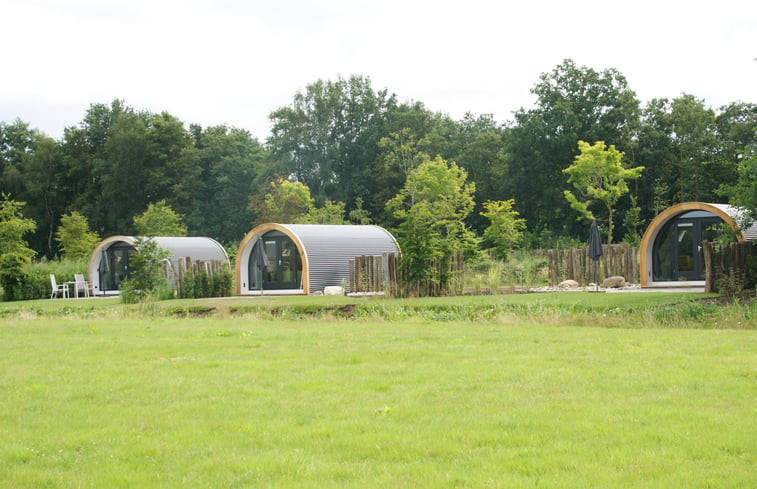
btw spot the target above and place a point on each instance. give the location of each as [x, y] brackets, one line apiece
[145, 275]
[34, 278]
[201, 284]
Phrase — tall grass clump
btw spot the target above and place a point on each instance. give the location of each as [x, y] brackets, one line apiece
[522, 269]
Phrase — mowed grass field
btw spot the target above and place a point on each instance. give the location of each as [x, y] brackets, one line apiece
[107, 396]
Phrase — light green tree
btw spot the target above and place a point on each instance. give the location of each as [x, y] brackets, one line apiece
[288, 202]
[598, 175]
[145, 277]
[506, 229]
[358, 215]
[330, 213]
[75, 237]
[431, 208]
[14, 251]
[159, 220]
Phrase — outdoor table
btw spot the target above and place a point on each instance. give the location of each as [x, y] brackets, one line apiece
[69, 285]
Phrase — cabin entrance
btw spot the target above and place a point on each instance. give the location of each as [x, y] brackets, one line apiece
[114, 266]
[678, 252]
[275, 263]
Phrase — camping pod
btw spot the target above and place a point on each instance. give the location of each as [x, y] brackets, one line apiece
[671, 249]
[109, 263]
[304, 258]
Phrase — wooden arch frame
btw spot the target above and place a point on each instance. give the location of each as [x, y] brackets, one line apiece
[248, 242]
[647, 242]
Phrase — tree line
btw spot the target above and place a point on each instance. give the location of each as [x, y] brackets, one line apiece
[353, 148]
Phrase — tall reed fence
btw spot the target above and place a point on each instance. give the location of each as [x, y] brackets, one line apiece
[384, 273]
[196, 279]
[731, 268]
[575, 264]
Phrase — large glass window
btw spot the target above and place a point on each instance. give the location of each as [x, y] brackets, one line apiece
[114, 266]
[275, 263]
[677, 253]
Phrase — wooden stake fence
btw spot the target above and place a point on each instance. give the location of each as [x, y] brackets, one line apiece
[730, 269]
[575, 264]
[187, 268]
[383, 273]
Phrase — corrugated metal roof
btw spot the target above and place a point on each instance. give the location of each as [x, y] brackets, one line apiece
[738, 215]
[197, 248]
[750, 233]
[329, 249]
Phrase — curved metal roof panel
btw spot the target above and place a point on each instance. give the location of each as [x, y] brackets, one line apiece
[197, 248]
[330, 248]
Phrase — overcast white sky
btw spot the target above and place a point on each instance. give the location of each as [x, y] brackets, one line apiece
[234, 61]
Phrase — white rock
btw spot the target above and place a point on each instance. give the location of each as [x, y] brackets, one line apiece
[614, 282]
[333, 290]
[567, 284]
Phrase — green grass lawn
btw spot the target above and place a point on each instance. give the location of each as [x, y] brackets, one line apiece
[119, 399]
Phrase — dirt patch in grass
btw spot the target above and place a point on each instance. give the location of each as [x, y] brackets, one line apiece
[743, 297]
[194, 311]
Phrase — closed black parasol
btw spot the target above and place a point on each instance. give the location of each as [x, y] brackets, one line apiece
[595, 248]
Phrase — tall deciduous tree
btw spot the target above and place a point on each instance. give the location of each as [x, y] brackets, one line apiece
[505, 230]
[744, 192]
[286, 202]
[431, 209]
[76, 239]
[14, 250]
[598, 175]
[230, 160]
[159, 220]
[573, 103]
[327, 138]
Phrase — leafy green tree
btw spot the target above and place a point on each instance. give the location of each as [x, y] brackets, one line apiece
[744, 193]
[145, 276]
[287, 202]
[431, 209]
[74, 236]
[329, 213]
[358, 215]
[401, 152]
[690, 150]
[42, 176]
[14, 251]
[124, 177]
[13, 227]
[31, 173]
[572, 103]
[16, 142]
[327, 138]
[632, 223]
[482, 152]
[230, 160]
[159, 220]
[694, 148]
[598, 175]
[506, 228]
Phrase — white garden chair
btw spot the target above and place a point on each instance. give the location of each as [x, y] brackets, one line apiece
[80, 284]
[62, 288]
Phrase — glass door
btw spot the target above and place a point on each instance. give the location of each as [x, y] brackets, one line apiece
[114, 266]
[686, 244]
[691, 233]
[678, 254]
[275, 264]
